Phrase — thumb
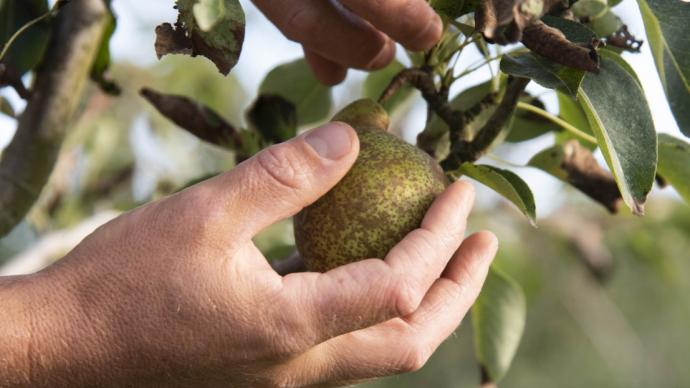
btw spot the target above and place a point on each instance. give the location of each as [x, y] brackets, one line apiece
[281, 180]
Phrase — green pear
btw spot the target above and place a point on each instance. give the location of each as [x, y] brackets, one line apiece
[381, 199]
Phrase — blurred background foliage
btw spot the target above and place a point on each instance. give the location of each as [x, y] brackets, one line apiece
[608, 297]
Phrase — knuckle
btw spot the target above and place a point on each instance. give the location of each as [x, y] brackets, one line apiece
[281, 381]
[283, 167]
[406, 296]
[284, 347]
[289, 319]
[195, 210]
[414, 359]
[367, 52]
[419, 247]
[300, 23]
[415, 21]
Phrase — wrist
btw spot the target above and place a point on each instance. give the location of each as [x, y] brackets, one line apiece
[15, 332]
[43, 342]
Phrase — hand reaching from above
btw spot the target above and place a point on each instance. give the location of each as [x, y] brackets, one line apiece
[176, 294]
[341, 34]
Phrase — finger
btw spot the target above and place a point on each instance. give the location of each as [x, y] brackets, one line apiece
[403, 345]
[424, 253]
[276, 183]
[326, 71]
[368, 292]
[326, 28]
[413, 23]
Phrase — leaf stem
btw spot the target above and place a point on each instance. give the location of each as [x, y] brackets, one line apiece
[498, 159]
[25, 27]
[558, 121]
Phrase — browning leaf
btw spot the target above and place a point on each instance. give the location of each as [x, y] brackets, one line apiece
[588, 176]
[551, 43]
[625, 40]
[197, 119]
[171, 40]
[220, 41]
[503, 21]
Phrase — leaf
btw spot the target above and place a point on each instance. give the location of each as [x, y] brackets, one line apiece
[274, 117]
[377, 81]
[528, 125]
[674, 163]
[199, 120]
[498, 320]
[573, 31]
[666, 23]
[576, 165]
[28, 49]
[211, 28]
[295, 82]
[6, 108]
[543, 71]
[606, 24]
[589, 8]
[506, 183]
[571, 112]
[620, 118]
[451, 9]
[102, 62]
[208, 13]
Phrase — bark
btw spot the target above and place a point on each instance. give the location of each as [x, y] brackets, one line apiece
[29, 159]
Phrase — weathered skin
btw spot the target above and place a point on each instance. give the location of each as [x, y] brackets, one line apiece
[382, 198]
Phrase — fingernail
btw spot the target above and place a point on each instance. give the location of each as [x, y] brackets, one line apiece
[331, 141]
[384, 57]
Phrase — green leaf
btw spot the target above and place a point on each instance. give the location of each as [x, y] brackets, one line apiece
[666, 23]
[571, 111]
[606, 24]
[377, 81]
[498, 320]
[506, 183]
[274, 117]
[528, 125]
[220, 25]
[620, 118]
[208, 13]
[674, 163]
[6, 108]
[295, 82]
[573, 31]
[28, 49]
[589, 8]
[546, 73]
[451, 9]
[102, 62]
[550, 161]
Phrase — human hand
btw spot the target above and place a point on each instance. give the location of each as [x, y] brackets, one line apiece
[176, 294]
[341, 34]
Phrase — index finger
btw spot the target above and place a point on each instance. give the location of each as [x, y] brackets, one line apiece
[413, 23]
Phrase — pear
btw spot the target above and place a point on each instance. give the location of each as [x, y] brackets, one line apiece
[380, 200]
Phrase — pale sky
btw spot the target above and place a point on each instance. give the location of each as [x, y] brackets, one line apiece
[265, 48]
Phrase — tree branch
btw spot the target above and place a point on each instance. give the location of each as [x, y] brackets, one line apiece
[469, 151]
[29, 159]
[437, 100]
